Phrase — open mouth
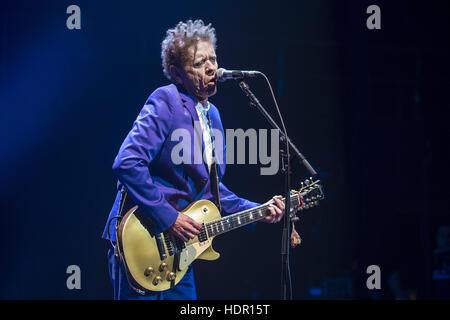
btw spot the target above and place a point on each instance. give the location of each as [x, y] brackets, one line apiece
[212, 81]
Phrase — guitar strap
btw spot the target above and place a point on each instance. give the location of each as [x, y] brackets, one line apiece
[213, 177]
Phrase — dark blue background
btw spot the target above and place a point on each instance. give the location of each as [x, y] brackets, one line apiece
[368, 108]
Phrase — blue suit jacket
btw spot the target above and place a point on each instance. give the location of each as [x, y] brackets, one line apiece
[144, 166]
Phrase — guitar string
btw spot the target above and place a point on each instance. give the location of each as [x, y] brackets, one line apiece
[243, 215]
[237, 217]
[212, 228]
[230, 222]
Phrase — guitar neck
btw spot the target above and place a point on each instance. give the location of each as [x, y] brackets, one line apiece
[243, 218]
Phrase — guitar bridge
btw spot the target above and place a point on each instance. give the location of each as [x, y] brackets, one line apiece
[169, 245]
[173, 244]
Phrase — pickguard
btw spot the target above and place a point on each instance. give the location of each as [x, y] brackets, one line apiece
[191, 252]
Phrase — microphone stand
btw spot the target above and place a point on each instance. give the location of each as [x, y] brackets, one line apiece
[287, 146]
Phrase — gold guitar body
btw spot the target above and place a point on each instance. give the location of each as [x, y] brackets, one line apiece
[139, 252]
[157, 262]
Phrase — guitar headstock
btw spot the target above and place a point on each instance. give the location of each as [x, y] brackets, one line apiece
[312, 192]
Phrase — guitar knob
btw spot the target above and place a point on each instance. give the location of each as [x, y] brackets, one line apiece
[148, 271]
[171, 276]
[157, 280]
[163, 266]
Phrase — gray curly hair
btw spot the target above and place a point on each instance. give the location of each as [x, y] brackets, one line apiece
[174, 48]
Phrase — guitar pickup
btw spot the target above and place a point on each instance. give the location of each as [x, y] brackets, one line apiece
[160, 245]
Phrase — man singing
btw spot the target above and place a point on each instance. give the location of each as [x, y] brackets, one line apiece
[144, 164]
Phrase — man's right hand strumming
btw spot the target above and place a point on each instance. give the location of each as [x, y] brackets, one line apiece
[185, 227]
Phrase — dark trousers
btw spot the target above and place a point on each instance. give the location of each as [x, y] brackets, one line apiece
[184, 290]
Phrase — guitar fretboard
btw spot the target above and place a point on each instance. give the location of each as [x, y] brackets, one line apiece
[243, 218]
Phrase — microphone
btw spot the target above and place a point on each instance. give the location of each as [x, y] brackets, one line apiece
[223, 74]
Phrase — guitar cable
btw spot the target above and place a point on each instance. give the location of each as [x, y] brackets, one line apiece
[123, 195]
[109, 231]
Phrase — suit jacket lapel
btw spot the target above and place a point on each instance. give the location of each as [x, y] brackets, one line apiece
[215, 125]
[190, 103]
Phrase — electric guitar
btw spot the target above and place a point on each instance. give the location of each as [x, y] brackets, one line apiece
[157, 262]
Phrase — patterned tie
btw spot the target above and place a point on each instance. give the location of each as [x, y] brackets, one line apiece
[209, 147]
[213, 177]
